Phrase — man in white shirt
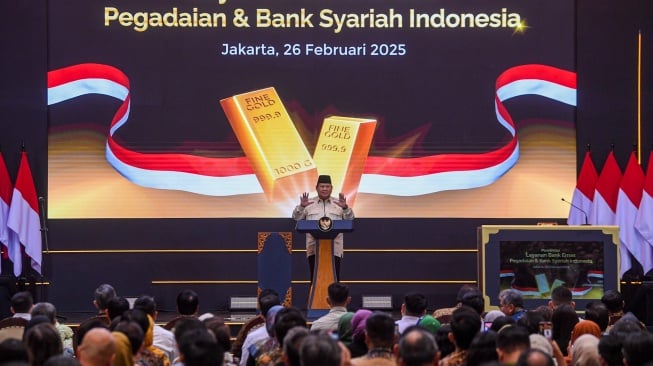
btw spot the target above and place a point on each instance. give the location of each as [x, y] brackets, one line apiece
[413, 308]
[21, 305]
[261, 333]
[338, 298]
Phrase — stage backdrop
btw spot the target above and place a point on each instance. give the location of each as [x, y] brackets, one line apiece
[419, 109]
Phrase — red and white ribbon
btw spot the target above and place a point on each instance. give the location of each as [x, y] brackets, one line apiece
[382, 175]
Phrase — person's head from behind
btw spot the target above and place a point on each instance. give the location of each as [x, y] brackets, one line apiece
[531, 321]
[198, 347]
[465, 323]
[474, 301]
[561, 295]
[97, 348]
[267, 300]
[417, 347]
[292, 343]
[597, 312]
[131, 329]
[147, 304]
[186, 325]
[45, 309]
[84, 328]
[116, 307]
[21, 302]
[512, 340]
[42, 341]
[415, 304]
[380, 331]
[613, 300]
[637, 349]
[319, 349]
[466, 289]
[220, 330]
[483, 348]
[535, 357]
[13, 350]
[286, 319]
[610, 346]
[443, 339]
[61, 360]
[102, 295]
[511, 301]
[500, 322]
[188, 302]
[338, 294]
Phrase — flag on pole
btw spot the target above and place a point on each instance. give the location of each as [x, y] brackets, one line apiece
[630, 196]
[5, 201]
[584, 193]
[644, 220]
[24, 217]
[604, 208]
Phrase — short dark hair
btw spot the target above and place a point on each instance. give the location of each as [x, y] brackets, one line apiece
[465, 323]
[292, 343]
[338, 292]
[132, 330]
[146, 303]
[268, 301]
[613, 300]
[512, 338]
[531, 321]
[199, 348]
[45, 309]
[417, 347]
[43, 341]
[597, 312]
[187, 302]
[12, 349]
[465, 289]
[637, 348]
[610, 349]
[84, 327]
[286, 319]
[483, 348]
[103, 294]
[186, 325]
[561, 295]
[22, 302]
[474, 301]
[524, 357]
[319, 349]
[220, 331]
[117, 306]
[416, 303]
[380, 329]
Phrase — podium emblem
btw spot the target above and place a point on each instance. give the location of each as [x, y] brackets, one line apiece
[325, 224]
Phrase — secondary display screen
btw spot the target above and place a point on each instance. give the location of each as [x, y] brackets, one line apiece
[225, 108]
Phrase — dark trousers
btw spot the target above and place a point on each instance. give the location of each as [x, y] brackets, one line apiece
[311, 266]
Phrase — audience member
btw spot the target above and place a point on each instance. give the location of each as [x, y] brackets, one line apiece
[412, 309]
[535, 357]
[42, 342]
[417, 347]
[597, 312]
[563, 320]
[260, 334]
[13, 350]
[62, 360]
[445, 345]
[502, 321]
[465, 323]
[266, 299]
[86, 326]
[531, 321]
[97, 348]
[345, 331]
[581, 328]
[338, 298]
[222, 335]
[198, 347]
[444, 315]
[20, 306]
[614, 301]
[512, 340]
[188, 305]
[101, 297]
[475, 301]
[270, 351]
[125, 354]
[292, 344]
[116, 307]
[429, 323]
[162, 338]
[585, 351]
[512, 303]
[65, 332]
[610, 350]
[637, 349]
[380, 339]
[561, 295]
[482, 349]
[491, 315]
[319, 349]
[358, 346]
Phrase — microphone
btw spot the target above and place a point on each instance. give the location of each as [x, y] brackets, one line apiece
[578, 208]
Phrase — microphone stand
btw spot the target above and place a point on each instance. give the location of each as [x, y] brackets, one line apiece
[44, 236]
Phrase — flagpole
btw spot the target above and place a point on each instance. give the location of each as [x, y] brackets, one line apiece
[639, 97]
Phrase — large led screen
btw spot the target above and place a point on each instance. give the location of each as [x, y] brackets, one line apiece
[232, 108]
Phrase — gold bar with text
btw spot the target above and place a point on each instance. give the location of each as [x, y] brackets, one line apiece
[341, 152]
[267, 135]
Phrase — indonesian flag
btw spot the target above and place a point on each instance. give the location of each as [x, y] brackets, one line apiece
[584, 193]
[604, 209]
[24, 214]
[644, 220]
[630, 195]
[7, 237]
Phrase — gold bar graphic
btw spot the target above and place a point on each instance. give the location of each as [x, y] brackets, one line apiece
[267, 135]
[341, 152]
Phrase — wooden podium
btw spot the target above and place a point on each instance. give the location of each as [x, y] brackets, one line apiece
[324, 271]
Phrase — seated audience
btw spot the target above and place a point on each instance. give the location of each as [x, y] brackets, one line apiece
[97, 348]
[482, 349]
[637, 349]
[465, 323]
[535, 357]
[412, 310]
[188, 305]
[358, 346]
[585, 351]
[338, 298]
[380, 339]
[417, 347]
[444, 315]
[597, 312]
[512, 340]
[162, 338]
[511, 303]
[42, 342]
[614, 301]
[65, 332]
[272, 298]
[319, 349]
[292, 344]
[563, 320]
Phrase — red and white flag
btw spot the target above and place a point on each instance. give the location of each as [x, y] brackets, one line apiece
[584, 193]
[24, 217]
[630, 195]
[644, 220]
[604, 209]
[7, 237]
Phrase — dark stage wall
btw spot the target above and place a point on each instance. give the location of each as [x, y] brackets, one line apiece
[606, 41]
